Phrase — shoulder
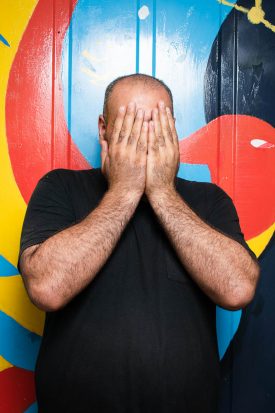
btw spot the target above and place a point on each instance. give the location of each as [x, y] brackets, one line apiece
[198, 190]
[206, 198]
[196, 187]
[64, 173]
[70, 177]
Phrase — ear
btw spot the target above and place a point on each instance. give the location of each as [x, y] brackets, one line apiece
[101, 129]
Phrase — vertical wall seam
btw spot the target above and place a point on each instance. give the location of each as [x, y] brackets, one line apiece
[233, 154]
[154, 37]
[235, 95]
[219, 99]
[53, 87]
[70, 58]
[137, 36]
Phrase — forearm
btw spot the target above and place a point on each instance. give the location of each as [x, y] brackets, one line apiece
[221, 267]
[66, 262]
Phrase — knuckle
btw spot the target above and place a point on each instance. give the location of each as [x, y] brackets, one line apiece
[141, 146]
[131, 138]
[160, 140]
[123, 132]
[116, 130]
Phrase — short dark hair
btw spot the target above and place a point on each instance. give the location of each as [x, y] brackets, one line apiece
[150, 80]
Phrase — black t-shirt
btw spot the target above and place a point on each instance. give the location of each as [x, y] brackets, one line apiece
[141, 337]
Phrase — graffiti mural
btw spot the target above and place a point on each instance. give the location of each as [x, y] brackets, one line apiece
[245, 91]
[57, 57]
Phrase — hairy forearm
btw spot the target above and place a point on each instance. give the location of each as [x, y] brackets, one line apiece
[67, 262]
[221, 267]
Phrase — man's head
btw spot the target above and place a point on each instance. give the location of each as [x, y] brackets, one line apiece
[146, 91]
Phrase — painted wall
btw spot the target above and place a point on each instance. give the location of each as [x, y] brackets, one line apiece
[56, 58]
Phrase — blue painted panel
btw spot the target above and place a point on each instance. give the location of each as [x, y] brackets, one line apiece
[20, 346]
[99, 46]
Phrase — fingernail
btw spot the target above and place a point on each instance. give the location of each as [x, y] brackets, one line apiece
[122, 109]
[155, 111]
[168, 109]
[161, 104]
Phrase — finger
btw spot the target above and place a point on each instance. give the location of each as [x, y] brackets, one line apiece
[158, 130]
[142, 142]
[152, 142]
[117, 125]
[166, 131]
[127, 125]
[171, 121]
[136, 129]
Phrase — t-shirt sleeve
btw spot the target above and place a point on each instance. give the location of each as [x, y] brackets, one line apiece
[224, 217]
[49, 211]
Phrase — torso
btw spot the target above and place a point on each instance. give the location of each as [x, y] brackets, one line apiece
[142, 336]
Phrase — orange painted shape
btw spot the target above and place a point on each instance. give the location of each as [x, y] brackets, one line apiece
[37, 133]
[244, 171]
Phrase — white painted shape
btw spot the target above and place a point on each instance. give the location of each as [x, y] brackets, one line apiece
[143, 12]
[259, 142]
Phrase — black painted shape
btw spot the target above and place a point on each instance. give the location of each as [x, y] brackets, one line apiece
[239, 78]
[248, 366]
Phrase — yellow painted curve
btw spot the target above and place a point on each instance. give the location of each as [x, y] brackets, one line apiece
[255, 15]
[15, 302]
[14, 17]
[258, 244]
[4, 364]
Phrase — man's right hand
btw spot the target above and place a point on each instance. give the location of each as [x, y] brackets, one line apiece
[78, 252]
[123, 158]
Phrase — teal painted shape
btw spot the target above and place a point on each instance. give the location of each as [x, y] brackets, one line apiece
[185, 33]
[100, 44]
[18, 345]
[227, 323]
[32, 409]
[194, 172]
[3, 40]
[6, 268]
[173, 42]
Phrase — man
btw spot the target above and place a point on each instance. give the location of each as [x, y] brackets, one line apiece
[129, 261]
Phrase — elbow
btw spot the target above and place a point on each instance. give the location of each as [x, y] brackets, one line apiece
[240, 299]
[244, 293]
[43, 298]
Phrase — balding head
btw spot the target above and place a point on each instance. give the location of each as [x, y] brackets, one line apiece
[141, 88]
[146, 91]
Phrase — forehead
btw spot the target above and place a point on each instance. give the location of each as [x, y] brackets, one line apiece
[146, 95]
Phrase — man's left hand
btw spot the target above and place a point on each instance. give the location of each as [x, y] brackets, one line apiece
[163, 157]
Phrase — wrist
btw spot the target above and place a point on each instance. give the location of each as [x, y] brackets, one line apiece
[123, 192]
[160, 192]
